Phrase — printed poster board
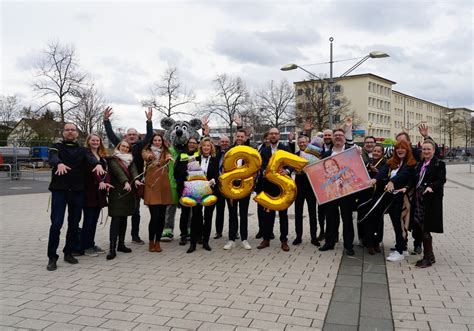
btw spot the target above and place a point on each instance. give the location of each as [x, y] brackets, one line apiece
[338, 176]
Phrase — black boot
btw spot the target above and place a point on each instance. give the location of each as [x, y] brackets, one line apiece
[121, 243]
[52, 264]
[112, 254]
[206, 246]
[191, 248]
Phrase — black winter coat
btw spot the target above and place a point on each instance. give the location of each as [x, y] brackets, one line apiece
[75, 157]
[435, 177]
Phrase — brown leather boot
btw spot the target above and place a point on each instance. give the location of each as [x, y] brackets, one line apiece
[263, 244]
[371, 250]
[151, 246]
[157, 246]
[284, 246]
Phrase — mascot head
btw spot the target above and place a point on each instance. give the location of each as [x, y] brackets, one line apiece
[178, 132]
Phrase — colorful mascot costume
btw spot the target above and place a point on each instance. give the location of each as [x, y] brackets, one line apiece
[177, 134]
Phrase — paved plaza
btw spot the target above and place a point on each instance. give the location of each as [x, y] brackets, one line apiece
[235, 290]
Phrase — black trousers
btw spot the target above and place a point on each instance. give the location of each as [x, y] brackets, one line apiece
[118, 227]
[220, 209]
[299, 204]
[373, 229]
[157, 221]
[321, 217]
[201, 226]
[269, 221]
[136, 219]
[342, 207]
[243, 211]
[184, 221]
[261, 219]
[395, 212]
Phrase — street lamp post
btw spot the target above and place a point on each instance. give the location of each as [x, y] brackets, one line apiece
[371, 55]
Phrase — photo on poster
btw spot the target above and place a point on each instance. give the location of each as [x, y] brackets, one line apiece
[338, 176]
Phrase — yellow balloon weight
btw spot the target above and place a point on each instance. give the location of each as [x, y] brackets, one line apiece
[244, 175]
[285, 183]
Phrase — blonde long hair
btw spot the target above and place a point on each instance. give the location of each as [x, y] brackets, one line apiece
[101, 151]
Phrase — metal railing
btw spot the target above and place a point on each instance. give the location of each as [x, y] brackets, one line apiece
[9, 171]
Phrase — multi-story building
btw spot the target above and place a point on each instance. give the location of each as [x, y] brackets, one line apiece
[383, 112]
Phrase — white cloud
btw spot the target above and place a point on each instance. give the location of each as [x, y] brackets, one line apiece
[127, 46]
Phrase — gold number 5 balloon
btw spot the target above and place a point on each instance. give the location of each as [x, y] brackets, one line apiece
[243, 174]
[285, 183]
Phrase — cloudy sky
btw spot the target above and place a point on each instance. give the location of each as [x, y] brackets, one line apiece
[126, 46]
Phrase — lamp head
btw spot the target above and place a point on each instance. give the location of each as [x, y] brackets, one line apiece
[378, 55]
[288, 67]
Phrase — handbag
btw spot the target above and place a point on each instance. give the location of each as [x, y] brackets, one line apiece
[141, 191]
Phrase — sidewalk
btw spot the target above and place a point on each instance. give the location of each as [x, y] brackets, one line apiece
[440, 297]
[230, 290]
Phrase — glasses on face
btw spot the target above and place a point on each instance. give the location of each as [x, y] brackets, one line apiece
[369, 142]
[192, 143]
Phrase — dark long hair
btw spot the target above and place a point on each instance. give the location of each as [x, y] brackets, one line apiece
[164, 149]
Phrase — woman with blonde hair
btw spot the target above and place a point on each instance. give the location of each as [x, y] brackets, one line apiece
[158, 191]
[95, 196]
[201, 224]
[123, 174]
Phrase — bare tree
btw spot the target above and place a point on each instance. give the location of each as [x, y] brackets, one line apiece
[169, 94]
[462, 128]
[88, 116]
[9, 109]
[58, 78]
[314, 107]
[230, 100]
[275, 103]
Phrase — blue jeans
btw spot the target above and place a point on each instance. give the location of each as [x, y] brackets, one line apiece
[89, 226]
[59, 201]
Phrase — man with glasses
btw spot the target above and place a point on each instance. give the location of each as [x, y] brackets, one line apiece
[133, 138]
[242, 205]
[363, 196]
[342, 140]
[68, 161]
[264, 185]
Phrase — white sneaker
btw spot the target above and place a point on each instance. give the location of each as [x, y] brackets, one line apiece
[405, 253]
[395, 257]
[90, 252]
[246, 245]
[230, 244]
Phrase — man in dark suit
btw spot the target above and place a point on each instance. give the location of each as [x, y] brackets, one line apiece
[264, 185]
[304, 192]
[342, 206]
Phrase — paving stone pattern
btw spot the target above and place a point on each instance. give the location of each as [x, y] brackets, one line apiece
[237, 289]
[218, 290]
[439, 297]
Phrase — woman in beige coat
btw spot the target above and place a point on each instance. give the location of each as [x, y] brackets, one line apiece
[158, 193]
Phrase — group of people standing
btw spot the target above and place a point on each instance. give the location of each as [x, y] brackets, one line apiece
[86, 179]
